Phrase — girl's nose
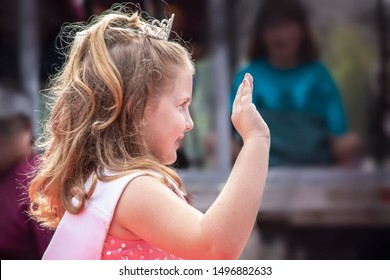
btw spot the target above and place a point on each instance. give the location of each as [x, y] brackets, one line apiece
[189, 123]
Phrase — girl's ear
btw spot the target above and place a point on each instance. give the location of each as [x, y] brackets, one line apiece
[146, 117]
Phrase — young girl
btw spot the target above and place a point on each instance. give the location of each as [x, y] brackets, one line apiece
[120, 113]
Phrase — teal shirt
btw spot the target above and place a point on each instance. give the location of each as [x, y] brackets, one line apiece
[302, 107]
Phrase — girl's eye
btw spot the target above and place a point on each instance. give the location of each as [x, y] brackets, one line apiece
[182, 106]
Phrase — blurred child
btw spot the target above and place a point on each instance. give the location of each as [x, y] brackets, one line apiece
[20, 237]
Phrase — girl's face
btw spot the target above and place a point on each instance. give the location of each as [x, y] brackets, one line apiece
[283, 39]
[166, 122]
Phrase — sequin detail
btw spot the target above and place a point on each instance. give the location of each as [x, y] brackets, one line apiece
[119, 249]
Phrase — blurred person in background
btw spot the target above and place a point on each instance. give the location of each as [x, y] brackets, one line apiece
[294, 91]
[20, 237]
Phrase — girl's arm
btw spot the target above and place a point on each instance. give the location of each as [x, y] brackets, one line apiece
[239, 200]
[154, 213]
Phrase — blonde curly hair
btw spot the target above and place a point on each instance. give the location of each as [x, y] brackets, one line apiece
[99, 98]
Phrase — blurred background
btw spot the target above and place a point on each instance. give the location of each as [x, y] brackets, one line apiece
[327, 210]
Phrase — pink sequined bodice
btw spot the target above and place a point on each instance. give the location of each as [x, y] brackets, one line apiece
[119, 249]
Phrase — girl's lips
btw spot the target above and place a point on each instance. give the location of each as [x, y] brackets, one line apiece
[179, 141]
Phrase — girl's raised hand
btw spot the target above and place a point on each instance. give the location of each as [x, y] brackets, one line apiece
[245, 117]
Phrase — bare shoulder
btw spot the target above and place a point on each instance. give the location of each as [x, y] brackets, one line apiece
[145, 186]
[148, 193]
[151, 211]
[134, 197]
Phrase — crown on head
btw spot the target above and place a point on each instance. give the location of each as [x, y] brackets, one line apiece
[156, 29]
[159, 29]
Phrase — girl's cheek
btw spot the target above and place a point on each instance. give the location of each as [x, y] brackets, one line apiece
[184, 118]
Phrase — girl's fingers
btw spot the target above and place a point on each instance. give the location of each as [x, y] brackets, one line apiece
[251, 82]
[246, 101]
[237, 99]
[247, 92]
[249, 79]
[244, 93]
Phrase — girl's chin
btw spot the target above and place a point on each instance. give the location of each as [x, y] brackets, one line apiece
[171, 160]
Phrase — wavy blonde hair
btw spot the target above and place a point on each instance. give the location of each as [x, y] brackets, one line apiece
[99, 98]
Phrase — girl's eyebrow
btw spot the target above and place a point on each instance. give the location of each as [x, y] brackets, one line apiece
[186, 99]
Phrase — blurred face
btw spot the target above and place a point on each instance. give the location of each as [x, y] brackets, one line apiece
[15, 142]
[168, 119]
[283, 39]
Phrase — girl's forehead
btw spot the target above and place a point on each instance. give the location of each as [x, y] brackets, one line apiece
[179, 86]
[188, 67]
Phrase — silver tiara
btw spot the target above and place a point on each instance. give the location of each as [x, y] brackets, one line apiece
[156, 29]
[159, 29]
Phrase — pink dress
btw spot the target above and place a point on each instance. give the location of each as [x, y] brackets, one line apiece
[120, 249]
[85, 236]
